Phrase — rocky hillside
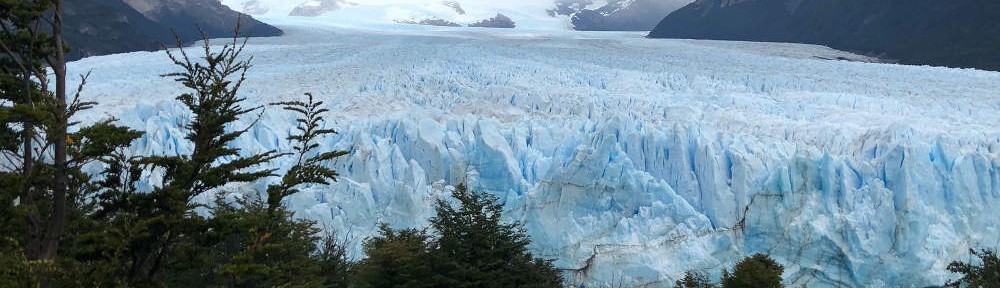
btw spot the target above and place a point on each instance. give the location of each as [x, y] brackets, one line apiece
[100, 27]
[499, 21]
[960, 33]
[188, 16]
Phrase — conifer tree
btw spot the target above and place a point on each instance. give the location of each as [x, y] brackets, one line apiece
[757, 271]
[261, 247]
[42, 160]
[472, 247]
[163, 226]
[475, 248]
[24, 48]
[397, 258]
[308, 168]
[984, 274]
[66, 228]
[694, 280]
[271, 247]
[334, 266]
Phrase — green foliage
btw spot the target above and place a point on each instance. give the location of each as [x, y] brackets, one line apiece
[42, 185]
[23, 49]
[307, 168]
[159, 239]
[15, 269]
[259, 243]
[216, 107]
[757, 271]
[255, 247]
[475, 248]
[985, 273]
[694, 279]
[109, 233]
[397, 258]
[335, 268]
[161, 228]
[472, 248]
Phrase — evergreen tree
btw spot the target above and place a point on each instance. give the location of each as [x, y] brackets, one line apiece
[262, 245]
[397, 258]
[474, 248]
[334, 265]
[43, 186]
[24, 49]
[255, 246]
[161, 227]
[694, 280]
[88, 245]
[984, 274]
[757, 271]
[256, 243]
[66, 228]
[308, 168]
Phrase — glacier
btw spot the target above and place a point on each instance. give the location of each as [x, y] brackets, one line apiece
[630, 160]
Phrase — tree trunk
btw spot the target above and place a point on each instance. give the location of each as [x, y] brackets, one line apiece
[27, 173]
[58, 219]
[28, 196]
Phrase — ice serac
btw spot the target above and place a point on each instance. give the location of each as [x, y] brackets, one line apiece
[629, 167]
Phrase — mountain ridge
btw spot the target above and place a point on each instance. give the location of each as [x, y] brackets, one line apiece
[101, 27]
[960, 33]
[580, 15]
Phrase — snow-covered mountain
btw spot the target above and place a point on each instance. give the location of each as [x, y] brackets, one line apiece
[620, 15]
[617, 15]
[633, 166]
[526, 14]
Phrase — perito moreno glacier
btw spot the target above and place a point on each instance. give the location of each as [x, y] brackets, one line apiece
[631, 160]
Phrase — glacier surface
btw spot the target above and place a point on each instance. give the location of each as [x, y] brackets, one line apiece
[630, 160]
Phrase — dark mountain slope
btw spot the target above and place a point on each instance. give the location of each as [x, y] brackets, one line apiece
[188, 16]
[100, 27]
[955, 33]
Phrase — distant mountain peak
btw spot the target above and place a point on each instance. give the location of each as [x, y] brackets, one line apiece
[313, 8]
[454, 5]
[617, 15]
[631, 15]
